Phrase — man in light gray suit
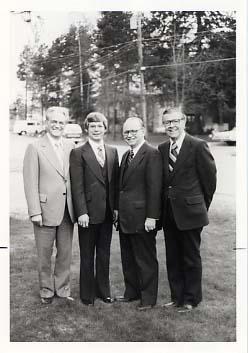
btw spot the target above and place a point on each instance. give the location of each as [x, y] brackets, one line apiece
[48, 193]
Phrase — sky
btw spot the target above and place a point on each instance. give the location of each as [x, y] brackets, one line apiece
[50, 25]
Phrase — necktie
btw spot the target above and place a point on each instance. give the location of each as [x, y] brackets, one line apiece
[60, 153]
[130, 156]
[100, 156]
[172, 156]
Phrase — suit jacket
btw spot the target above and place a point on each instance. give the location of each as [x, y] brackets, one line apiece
[191, 185]
[46, 184]
[89, 191]
[140, 189]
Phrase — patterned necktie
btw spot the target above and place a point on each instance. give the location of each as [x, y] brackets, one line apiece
[172, 156]
[60, 153]
[100, 156]
[130, 156]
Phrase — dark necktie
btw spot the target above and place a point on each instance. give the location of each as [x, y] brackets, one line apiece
[130, 156]
[172, 156]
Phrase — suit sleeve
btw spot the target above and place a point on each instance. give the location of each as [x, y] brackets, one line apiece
[31, 180]
[116, 181]
[206, 169]
[77, 183]
[153, 184]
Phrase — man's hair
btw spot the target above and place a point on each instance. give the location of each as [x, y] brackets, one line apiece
[174, 110]
[137, 119]
[53, 111]
[95, 117]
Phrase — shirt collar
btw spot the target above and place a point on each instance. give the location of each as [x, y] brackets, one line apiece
[179, 141]
[95, 145]
[55, 141]
[136, 148]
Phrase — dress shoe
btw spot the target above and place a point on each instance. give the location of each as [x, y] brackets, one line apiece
[108, 300]
[69, 298]
[170, 305]
[47, 300]
[87, 302]
[122, 299]
[142, 307]
[186, 308]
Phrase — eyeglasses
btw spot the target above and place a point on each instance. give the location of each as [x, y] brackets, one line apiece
[57, 122]
[174, 122]
[131, 132]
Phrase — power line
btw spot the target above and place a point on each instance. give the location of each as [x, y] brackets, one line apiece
[188, 63]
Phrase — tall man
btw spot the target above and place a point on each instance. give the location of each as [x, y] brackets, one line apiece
[47, 189]
[139, 208]
[189, 182]
[94, 173]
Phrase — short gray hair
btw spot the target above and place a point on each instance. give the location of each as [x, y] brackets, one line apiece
[55, 111]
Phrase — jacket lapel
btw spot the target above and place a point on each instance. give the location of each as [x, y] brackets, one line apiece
[183, 155]
[135, 162]
[92, 162]
[122, 166]
[110, 160]
[50, 154]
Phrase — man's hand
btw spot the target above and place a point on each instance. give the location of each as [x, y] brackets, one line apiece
[37, 220]
[115, 216]
[150, 224]
[83, 220]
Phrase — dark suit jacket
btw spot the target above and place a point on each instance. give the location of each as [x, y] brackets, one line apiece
[88, 185]
[140, 189]
[192, 183]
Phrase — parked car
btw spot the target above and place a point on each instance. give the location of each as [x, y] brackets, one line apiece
[27, 127]
[224, 136]
[73, 131]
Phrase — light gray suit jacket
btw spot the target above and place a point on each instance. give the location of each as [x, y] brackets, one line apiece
[46, 184]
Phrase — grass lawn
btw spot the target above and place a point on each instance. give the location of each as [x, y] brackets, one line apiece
[214, 320]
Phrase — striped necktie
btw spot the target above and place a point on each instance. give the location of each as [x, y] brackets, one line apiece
[172, 156]
[100, 156]
[130, 156]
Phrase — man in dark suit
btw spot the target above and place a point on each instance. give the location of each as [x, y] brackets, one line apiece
[94, 169]
[139, 208]
[189, 182]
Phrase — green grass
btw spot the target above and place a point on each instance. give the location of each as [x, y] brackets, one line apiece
[214, 320]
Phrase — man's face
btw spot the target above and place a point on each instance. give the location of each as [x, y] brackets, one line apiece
[133, 133]
[96, 131]
[56, 125]
[174, 124]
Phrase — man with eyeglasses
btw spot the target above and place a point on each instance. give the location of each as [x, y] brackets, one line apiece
[189, 182]
[94, 169]
[139, 210]
[48, 193]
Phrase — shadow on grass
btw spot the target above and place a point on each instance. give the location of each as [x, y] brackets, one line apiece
[213, 320]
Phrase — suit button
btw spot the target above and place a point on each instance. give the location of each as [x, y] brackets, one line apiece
[170, 187]
[64, 193]
[121, 192]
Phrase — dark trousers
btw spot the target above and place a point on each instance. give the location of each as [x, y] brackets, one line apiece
[140, 266]
[94, 243]
[183, 261]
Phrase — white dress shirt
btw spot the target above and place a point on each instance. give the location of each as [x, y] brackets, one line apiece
[136, 148]
[95, 147]
[57, 145]
[179, 142]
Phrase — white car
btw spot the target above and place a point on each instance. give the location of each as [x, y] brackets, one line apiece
[73, 131]
[27, 127]
[224, 136]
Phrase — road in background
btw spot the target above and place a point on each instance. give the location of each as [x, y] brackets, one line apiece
[224, 156]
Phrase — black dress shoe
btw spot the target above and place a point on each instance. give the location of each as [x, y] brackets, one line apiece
[47, 300]
[108, 300]
[143, 307]
[87, 302]
[123, 299]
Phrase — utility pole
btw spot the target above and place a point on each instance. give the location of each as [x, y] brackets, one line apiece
[80, 70]
[141, 68]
